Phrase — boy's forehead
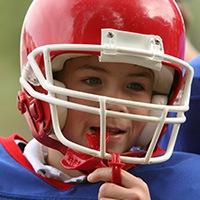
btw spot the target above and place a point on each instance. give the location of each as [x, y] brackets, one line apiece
[92, 63]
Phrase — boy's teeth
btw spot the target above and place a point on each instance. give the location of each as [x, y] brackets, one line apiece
[113, 132]
[110, 131]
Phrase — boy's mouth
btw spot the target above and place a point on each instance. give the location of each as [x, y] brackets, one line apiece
[109, 130]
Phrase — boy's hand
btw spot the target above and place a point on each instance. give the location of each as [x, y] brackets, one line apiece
[131, 188]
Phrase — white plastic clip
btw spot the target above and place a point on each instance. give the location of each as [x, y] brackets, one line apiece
[127, 47]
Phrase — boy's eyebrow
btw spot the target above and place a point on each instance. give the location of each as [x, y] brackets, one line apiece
[144, 73]
[95, 68]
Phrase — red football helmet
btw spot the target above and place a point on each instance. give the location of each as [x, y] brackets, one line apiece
[143, 32]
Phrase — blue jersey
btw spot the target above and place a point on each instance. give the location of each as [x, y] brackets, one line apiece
[178, 178]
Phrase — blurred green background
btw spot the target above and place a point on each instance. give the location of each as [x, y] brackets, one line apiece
[11, 19]
[194, 30]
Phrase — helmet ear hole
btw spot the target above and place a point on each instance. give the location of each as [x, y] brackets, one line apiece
[62, 112]
[150, 127]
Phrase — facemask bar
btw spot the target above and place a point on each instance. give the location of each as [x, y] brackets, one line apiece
[120, 52]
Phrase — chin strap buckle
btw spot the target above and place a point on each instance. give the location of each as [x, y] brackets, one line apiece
[116, 165]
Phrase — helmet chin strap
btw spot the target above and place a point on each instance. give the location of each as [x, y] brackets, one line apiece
[75, 160]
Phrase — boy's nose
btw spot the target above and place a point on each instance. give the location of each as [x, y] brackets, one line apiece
[115, 93]
[117, 107]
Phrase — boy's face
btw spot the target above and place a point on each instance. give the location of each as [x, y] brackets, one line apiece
[118, 80]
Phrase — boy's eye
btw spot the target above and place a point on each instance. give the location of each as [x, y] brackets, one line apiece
[135, 86]
[93, 81]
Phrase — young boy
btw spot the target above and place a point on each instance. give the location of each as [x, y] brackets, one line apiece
[98, 81]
